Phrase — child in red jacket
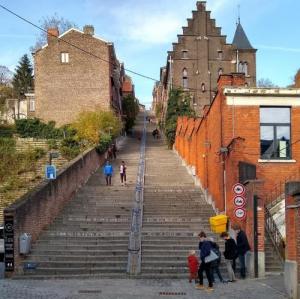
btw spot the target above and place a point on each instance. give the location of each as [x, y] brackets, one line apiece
[193, 264]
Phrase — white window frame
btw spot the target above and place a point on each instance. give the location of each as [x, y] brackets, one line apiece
[64, 57]
[31, 105]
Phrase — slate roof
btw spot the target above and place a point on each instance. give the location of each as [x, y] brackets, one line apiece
[240, 39]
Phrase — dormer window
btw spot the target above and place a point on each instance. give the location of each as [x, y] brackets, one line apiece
[64, 57]
[184, 54]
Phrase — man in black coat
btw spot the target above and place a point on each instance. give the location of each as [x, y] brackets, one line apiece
[230, 255]
[242, 248]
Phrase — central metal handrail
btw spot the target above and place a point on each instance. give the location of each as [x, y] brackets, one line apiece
[135, 234]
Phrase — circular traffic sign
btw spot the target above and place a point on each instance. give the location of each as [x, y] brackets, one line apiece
[239, 201]
[240, 213]
[238, 189]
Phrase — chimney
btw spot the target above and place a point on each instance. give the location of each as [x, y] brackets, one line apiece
[52, 34]
[88, 29]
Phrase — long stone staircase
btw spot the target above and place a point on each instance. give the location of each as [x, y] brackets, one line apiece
[90, 237]
[174, 213]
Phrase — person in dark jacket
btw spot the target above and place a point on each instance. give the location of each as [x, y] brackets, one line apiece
[216, 264]
[205, 248]
[242, 248]
[230, 255]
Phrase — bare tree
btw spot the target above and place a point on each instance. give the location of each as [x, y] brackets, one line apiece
[51, 22]
[265, 82]
[5, 75]
[296, 80]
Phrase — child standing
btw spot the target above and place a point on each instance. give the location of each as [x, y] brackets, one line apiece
[123, 173]
[193, 265]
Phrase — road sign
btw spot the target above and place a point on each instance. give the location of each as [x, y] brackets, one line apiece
[239, 201]
[50, 172]
[238, 189]
[240, 213]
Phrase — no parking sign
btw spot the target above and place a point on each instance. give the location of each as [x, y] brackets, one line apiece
[238, 189]
[240, 213]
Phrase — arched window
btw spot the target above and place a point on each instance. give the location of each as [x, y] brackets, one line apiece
[185, 78]
[220, 71]
[203, 87]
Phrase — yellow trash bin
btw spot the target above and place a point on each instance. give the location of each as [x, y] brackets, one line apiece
[218, 223]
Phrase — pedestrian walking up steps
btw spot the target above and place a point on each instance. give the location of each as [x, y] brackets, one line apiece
[90, 237]
[175, 211]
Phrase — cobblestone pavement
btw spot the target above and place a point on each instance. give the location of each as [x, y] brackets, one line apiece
[271, 287]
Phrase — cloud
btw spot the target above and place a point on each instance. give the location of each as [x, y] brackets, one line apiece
[147, 22]
[278, 48]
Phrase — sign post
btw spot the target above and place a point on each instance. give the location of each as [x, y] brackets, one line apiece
[9, 243]
[50, 172]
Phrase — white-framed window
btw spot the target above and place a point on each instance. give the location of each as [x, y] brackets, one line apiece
[203, 89]
[220, 71]
[64, 57]
[31, 105]
[243, 67]
[185, 84]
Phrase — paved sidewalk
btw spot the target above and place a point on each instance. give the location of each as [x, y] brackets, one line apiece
[270, 288]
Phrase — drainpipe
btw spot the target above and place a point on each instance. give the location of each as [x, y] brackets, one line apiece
[223, 151]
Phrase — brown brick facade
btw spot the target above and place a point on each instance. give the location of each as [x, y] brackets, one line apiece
[203, 52]
[62, 90]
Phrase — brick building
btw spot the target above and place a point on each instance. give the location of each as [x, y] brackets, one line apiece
[69, 80]
[253, 125]
[128, 87]
[201, 54]
[245, 135]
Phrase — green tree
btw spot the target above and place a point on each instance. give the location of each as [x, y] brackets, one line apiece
[178, 105]
[23, 78]
[130, 108]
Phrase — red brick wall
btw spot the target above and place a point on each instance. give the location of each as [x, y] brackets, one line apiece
[240, 128]
[38, 208]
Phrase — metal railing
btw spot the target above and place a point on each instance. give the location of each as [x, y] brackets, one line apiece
[276, 195]
[135, 234]
[274, 234]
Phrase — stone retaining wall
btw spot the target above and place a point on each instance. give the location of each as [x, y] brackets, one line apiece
[36, 210]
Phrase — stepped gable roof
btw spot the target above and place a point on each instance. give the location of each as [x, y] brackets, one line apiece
[240, 39]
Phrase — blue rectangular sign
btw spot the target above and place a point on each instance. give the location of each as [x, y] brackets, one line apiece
[50, 172]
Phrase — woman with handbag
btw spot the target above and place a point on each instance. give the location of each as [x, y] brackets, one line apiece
[206, 257]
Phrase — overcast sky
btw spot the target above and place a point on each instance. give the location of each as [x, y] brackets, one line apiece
[143, 31]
